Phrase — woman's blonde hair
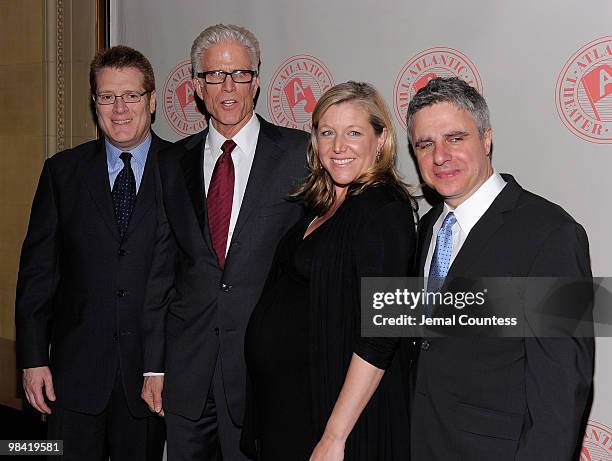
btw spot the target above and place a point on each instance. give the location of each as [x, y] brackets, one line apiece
[317, 191]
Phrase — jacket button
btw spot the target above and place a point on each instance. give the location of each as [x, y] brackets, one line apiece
[115, 337]
[121, 251]
[425, 345]
[122, 293]
[225, 287]
[216, 330]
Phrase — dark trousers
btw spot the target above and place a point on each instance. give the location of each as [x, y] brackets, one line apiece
[212, 437]
[114, 433]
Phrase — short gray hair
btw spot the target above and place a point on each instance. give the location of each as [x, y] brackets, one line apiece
[452, 90]
[219, 33]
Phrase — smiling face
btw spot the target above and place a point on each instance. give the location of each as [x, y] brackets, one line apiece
[346, 143]
[229, 104]
[124, 125]
[453, 158]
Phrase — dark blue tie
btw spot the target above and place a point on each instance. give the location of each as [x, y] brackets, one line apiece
[124, 194]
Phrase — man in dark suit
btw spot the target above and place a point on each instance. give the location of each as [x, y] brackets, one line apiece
[491, 398]
[83, 272]
[225, 198]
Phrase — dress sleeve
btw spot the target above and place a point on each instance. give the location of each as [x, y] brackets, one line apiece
[384, 247]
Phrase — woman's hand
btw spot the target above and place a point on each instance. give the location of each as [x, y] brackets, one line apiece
[329, 448]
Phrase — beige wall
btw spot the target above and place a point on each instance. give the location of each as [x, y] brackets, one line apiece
[44, 101]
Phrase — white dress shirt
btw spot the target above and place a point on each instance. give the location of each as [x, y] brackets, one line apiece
[467, 214]
[242, 156]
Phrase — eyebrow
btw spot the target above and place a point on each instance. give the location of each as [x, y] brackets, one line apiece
[456, 133]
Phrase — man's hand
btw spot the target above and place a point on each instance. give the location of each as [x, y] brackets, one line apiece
[34, 379]
[152, 393]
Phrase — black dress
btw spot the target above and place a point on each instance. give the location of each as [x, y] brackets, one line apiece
[306, 327]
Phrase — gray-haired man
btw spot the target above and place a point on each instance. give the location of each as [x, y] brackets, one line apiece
[223, 194]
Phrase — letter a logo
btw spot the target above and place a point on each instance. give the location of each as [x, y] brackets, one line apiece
[295, 91]
[598, 83]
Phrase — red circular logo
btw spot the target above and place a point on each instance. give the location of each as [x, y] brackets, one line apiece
[583, 94]
[179, 102]
[295, 89]
[428, 64]
[597, 442]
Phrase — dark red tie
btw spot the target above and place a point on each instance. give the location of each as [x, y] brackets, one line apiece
[219, 200]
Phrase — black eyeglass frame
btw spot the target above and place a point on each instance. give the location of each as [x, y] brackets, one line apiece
[204, 75]
[115, 96]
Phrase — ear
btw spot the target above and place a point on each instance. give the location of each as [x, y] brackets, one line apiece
[152, 101]
[381, 140]
[255, 86]
[486, 141]
[197, 85]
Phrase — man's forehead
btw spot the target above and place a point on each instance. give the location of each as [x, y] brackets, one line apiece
[444, 114]
[224, 50]
[128, 72]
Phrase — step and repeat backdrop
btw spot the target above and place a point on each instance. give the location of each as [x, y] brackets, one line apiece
[544, 67]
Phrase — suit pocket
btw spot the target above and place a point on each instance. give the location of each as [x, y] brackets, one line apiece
[490, 423]
[277, 208]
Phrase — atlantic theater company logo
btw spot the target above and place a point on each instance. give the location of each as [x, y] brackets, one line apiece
[597, 442]
[179, 102]
[428, 64]
[295, 89]
[583, 95]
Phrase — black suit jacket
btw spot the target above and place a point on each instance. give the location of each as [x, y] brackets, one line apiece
[80, 288]
[511, 398]
[196, 312]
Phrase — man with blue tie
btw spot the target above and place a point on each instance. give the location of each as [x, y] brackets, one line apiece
[490, 398]
[83, 272]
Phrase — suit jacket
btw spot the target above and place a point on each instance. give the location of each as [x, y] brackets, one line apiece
[196, 312]
[81, 287]
[505, 398]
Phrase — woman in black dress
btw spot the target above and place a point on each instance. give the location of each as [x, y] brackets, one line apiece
[317, 389]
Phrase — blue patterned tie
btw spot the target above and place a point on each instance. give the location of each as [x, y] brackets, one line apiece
[440, 260]
[124, 193]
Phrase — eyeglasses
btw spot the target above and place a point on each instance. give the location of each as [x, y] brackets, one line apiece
[215, 77]
[129, 97]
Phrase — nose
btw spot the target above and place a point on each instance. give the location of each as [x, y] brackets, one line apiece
[119, 106]
[339, 145]
[228, 85]
[441, 154]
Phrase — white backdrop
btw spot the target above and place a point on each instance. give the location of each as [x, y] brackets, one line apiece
[544, 67]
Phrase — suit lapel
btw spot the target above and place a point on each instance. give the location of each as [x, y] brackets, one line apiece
[424, 237]
[265, 165]
[146, 193]
[193, 169]
[486, 227]
[96, 173]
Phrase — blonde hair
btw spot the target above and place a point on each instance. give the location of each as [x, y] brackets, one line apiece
[317, 191]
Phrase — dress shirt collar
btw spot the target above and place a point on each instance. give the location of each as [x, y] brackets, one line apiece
[470, 211]
[245, 139]
[139, 153]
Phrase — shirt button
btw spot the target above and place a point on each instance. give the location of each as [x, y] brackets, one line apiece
[216, 330]
[425, 345]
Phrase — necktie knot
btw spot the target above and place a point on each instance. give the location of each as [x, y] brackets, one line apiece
[449, 222]
[126, 157]
[228, 146]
